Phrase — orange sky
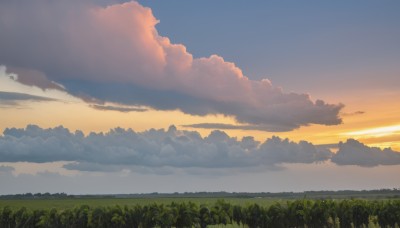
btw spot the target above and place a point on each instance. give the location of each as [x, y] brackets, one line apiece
[360, 114]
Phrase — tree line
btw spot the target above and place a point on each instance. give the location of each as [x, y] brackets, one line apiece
[341, 194]
[298, 213]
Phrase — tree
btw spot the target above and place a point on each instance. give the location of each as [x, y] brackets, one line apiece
[205, 216]
[151, 215]
[276, 214]
[81, 216]
[222, 212]
[319, 214]
[388, 213]
[133, 216]
[361, 212]
[296, 212]
[6, 217]
[237, 214]
[187, 215]
[50, 219]
[98, 218]
[23, 218]
[117, 216]
[345, 214]
[253, 216]
[67, 218]
[168, 215]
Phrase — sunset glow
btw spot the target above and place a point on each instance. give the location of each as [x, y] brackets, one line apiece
[376, 132]
[146, 93]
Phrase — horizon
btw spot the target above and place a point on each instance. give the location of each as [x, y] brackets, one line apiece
[194, 193]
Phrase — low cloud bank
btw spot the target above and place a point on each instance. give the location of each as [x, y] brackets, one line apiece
[120, 148]
[352, 152]
[152, 148]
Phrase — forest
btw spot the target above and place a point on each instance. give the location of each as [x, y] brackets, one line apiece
[293, 213]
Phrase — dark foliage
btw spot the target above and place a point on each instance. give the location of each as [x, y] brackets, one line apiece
[298, 213]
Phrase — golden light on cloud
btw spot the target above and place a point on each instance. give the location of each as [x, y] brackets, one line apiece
[383, 137]
[375, 132]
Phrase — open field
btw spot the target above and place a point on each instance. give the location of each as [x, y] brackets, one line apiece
[198, 212]
[105, 202]
[63, 201]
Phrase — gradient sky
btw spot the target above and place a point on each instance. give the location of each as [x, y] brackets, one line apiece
[175, 96]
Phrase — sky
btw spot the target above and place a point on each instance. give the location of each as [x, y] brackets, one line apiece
[100, 97]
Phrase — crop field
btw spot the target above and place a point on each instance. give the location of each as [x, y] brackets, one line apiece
[63, 201]
[198, 212]
[34, 204]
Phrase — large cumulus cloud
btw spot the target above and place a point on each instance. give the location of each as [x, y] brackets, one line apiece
[115, 54]
[152, 148]
[353, 152]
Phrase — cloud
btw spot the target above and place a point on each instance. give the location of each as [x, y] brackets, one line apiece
[6, 169]
[32, 78]
[261, 127]
[97, 167]
[120, 148]
[393, 137]
[92, 167]
[114, 53]
[14, 98]
[160, 151]
[352, 152]
[352, 113]
[118, 108]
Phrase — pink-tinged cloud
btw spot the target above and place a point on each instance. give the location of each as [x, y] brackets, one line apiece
[115, 54]
[33, 77]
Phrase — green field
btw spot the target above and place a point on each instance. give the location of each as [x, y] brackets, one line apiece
[104, 202]
[63, 201]
[195, 212]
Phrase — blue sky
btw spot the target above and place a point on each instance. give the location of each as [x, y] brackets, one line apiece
[299, 45]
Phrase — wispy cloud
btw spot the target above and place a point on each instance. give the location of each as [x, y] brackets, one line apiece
[115, 54]
[356, 113]
[222, 126]
[15, 98]
[375, 132]
[118, 108]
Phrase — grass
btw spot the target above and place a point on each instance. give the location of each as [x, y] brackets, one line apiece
[104, 202]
